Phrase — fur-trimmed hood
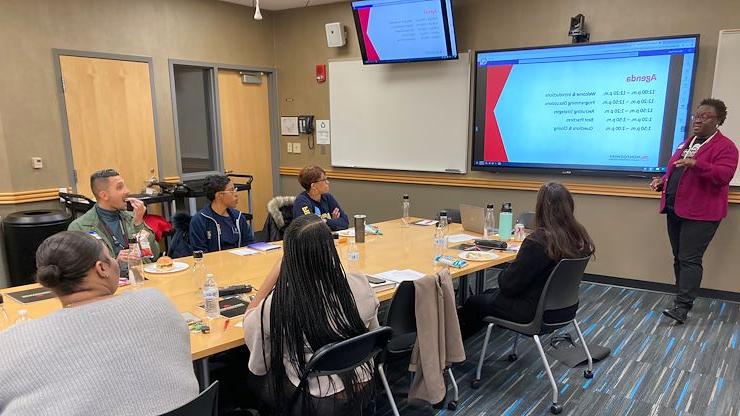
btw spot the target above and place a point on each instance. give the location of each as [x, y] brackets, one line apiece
[273, 208]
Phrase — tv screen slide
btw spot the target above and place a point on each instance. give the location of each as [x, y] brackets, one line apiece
[405, 30]
[604, 107]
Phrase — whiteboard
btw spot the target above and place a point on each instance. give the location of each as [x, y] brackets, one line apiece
[410, 116]
[726, 86]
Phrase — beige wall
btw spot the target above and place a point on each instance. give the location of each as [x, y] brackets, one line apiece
[30, 115]
[629, 234]
[200, 30]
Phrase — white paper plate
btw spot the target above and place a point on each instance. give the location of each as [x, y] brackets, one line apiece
[349, 232]
[477, 255]
[176, 267]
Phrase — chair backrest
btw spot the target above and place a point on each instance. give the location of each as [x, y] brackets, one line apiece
[560, 295]
[206, 404]
[527, 219]
[342, 356]
[401, 316]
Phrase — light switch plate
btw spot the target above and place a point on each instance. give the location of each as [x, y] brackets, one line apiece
[290, 147]
[37, 162]
[296, 148]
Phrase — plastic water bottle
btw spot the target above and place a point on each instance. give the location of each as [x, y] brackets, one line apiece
[210, 297]
[199, 271]
[22, 317]
[135, 265]
[489, 223]
[505, 220]
[405, 207]
[353, 256]
[440, 235]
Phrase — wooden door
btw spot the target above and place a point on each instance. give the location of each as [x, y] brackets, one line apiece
[110, 119]
[245, 137]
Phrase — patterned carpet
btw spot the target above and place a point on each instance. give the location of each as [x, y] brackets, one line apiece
[656, 367]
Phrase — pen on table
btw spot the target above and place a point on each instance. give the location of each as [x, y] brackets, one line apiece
[226, 323]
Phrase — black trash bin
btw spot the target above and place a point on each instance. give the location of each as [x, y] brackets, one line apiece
[24, 231]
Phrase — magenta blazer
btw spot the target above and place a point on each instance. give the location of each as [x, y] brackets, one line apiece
[703, 188]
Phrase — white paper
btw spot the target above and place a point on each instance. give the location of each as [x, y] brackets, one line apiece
[289, 126]
[399, 276]
[244, 251]
[459, 238]
[323, 134]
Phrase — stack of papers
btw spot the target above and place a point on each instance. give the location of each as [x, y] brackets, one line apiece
[459, 238]
[263, 246]
[244, 251]
[382, 287]
[399, 276]
[425, 223]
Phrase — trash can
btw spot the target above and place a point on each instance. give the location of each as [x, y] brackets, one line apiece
[24, 231]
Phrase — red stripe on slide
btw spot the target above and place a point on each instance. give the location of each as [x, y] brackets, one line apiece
[372, 54]
[493, 144]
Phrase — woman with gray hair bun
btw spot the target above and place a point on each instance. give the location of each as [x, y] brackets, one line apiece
[99, 354]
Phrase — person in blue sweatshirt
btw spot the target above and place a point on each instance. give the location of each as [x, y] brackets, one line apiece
[317, 200]
[220, 226]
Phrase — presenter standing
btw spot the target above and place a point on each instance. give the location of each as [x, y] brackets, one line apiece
[694, 198]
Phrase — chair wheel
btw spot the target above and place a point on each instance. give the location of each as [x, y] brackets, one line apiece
[556, 409]
[452, 405]
[439, 405]
[475, 384]
[512, 358]
[588, 374]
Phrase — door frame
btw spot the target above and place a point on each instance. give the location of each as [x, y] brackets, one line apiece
[57, 53]
[271, 74]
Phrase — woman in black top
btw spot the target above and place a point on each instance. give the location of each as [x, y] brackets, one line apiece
[557, 235]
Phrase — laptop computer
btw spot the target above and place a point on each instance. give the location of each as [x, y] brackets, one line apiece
[472, 218]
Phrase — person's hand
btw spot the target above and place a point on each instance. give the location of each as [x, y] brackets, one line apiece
[123, 255]
[656, 184]
[139, 210]
[336, 213]
[685, 163]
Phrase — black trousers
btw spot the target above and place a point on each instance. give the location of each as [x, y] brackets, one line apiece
[689, 241]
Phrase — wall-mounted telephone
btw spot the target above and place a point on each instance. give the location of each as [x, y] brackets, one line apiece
[305, 124]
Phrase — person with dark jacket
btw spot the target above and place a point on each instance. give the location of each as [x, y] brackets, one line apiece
[317, 200]
[219, 225]
[557, 235]
[694, 198]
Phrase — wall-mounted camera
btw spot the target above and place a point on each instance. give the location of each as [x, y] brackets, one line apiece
[578, 29]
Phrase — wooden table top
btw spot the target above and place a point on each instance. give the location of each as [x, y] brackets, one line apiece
[398, 248]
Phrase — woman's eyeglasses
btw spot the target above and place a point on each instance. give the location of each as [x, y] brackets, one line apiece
[703, 117]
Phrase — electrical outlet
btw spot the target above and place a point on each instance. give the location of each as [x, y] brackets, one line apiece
[290, 147]
[296, 148]
[37, 162]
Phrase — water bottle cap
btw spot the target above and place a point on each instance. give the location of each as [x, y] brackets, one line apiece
[405, 196]
[22, 312]
[489, 206]
[442, 213]
[198, 254]
[132, 240]
[506, 207]
[209, 276]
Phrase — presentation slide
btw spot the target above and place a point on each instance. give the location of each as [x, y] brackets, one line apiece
[405, 30]
[606, 108]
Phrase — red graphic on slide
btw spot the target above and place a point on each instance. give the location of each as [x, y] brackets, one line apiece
[372, 54]
[493, 143]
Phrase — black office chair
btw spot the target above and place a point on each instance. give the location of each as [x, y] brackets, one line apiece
[527, 218]
[344, 356]
[557, 308]
[401, 316]
[206, 404]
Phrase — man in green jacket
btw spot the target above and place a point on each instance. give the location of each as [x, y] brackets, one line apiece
[109, 220]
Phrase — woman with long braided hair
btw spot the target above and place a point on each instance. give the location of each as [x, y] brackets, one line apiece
[306, 302]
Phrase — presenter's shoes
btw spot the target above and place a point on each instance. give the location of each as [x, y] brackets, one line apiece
[677, 314]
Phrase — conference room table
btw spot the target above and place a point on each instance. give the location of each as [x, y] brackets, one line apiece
[399, 247]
